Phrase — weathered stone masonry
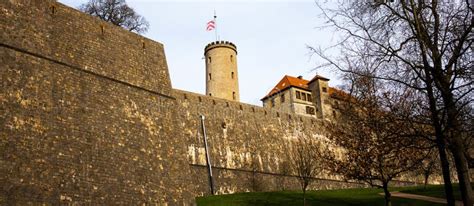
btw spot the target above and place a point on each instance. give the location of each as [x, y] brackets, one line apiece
[88, 117]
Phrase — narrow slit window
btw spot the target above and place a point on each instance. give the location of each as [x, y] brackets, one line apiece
[231, 58]
[209, 59]
[233, 95]
[232, 75]
[210, 77]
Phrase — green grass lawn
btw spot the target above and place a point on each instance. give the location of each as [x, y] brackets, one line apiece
[344, 197]
[432, 190]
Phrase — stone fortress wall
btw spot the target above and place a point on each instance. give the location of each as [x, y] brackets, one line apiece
[86, 112]
[88, 117]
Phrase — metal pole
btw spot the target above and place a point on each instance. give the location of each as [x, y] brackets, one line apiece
[208, 160]
[215, 24]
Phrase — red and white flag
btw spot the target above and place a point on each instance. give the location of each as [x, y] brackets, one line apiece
[211, 25]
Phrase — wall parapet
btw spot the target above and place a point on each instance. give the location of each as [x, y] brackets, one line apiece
[64, 34]
[200, 99]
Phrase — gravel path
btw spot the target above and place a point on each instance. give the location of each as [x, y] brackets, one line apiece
[421, 197]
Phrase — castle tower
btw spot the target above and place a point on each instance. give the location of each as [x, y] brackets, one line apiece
[221, 70]
[320, 91]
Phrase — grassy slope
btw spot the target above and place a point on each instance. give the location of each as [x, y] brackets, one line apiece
[345, 197]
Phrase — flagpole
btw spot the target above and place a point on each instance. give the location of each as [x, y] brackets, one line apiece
[215, 23]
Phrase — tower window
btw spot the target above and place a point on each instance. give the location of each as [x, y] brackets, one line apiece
[232, 75]
[210, 77]
[210, 94]
[231, 58]
[233, 96]
[209, 59]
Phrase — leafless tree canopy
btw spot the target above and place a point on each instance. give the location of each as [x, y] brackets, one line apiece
[425, 46]
[374, 147]
[116, 12]
[305, 161]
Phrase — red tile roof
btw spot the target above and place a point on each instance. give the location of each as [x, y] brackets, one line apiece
[287, 82]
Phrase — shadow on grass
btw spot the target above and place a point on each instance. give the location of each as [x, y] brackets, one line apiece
[346, 197]
[432, 191]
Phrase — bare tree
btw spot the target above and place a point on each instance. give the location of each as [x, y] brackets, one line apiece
[373, 147]
[305, 162]
[116, 12]
[423, 45]
[428, 167]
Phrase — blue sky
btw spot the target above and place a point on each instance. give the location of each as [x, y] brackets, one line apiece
[271, 38]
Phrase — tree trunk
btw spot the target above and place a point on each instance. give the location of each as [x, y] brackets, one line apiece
[448, 187]
[463, 176]
[387, 194]
[304, 197]
[457, 148]
[440, 138]
[426, 180]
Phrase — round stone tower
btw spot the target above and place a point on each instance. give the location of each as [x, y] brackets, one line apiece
[221, 70]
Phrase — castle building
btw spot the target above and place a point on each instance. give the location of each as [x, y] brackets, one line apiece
[90, 117]
[311, 98]
[221, 70]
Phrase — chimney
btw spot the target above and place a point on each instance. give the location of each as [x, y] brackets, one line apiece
[300, 77]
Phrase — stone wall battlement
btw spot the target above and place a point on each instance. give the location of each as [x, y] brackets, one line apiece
[215, 44]
[64, 34]
[257, 111]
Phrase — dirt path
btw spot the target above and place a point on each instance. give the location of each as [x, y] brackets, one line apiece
[421, 197]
